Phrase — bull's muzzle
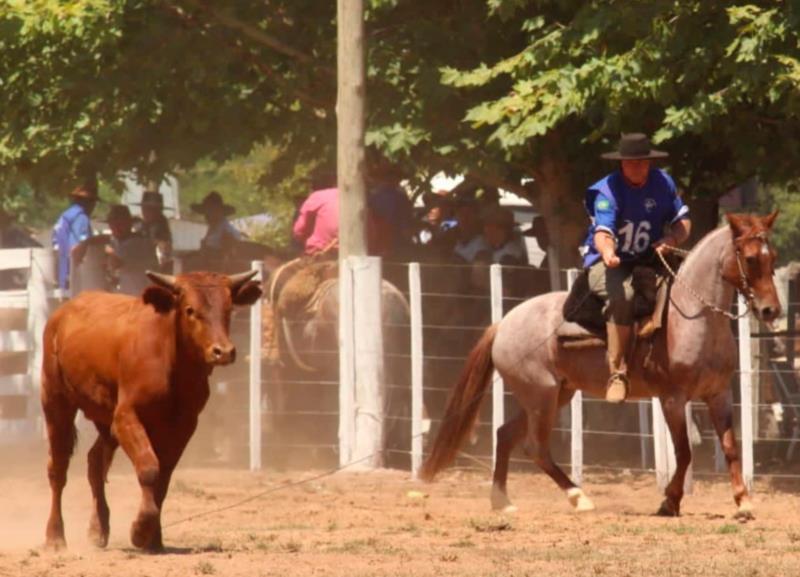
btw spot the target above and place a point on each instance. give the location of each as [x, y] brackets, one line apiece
[219, 354]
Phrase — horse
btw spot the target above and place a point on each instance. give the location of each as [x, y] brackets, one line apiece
[693, 356]
[305, 352]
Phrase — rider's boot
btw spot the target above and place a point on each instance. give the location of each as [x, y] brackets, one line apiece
[619, 338]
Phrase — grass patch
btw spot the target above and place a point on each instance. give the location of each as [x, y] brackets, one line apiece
[490, 525]
[204, 568]
[292, 546]
[464, 543]
[370, 545]
[728, 529]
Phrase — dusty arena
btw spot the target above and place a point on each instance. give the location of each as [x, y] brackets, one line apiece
[233, 522]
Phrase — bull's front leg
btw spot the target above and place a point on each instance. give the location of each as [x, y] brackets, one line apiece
[133, 438]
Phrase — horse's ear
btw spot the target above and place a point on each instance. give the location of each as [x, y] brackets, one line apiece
[769, 220]
[739, 223]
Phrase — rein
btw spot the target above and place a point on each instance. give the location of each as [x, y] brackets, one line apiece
[745, 290]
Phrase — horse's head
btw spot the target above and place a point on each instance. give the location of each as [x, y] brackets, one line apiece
[752, 265]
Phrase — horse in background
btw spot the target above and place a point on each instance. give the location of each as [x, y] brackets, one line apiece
[692, 357]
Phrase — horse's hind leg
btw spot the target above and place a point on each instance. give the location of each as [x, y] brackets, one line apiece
[100, 456]
[721, 411]
[508, 436]
[542, 408]
[60, 418]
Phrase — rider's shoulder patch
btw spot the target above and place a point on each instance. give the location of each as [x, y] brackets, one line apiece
[603, 204]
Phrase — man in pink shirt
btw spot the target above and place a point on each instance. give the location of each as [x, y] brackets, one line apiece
[317, 224]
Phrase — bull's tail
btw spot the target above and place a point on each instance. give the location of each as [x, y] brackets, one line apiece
[462, 406]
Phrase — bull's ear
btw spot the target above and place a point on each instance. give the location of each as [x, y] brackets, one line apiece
[161, 299]
[247, 294]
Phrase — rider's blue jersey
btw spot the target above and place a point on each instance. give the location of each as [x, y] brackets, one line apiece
[635, 217]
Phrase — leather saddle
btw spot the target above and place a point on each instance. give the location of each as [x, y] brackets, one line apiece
[583, 311]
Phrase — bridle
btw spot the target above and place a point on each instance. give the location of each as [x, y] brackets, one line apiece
[746, 289]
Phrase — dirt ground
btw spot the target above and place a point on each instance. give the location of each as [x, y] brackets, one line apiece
[358, 524]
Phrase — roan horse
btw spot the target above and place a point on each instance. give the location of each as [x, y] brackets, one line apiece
[692, 357]
[137, 367]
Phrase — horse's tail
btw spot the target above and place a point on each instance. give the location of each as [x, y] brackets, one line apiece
[462, 406]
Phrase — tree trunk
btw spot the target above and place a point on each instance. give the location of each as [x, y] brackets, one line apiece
[704, 213]
[562, 208]
[350, 127]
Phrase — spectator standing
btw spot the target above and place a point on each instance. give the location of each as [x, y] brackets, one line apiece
[130, 254]
[73, 227]
[154, 226]
[221, 237]
[500, 242]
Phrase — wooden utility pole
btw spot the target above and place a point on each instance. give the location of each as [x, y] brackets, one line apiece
[361, 383]
[350, 108]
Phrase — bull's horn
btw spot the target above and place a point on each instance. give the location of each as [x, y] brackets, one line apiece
[237, 280]
[164, 280]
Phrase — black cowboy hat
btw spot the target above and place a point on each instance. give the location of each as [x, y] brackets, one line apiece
[213, 200]
[152, 198]
[119, 212]
[634, 146]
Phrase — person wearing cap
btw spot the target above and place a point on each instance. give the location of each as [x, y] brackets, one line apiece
[634, 211]
[502, 244]
[73, 227]
[466, 235]
[221, 236]
[154, 225]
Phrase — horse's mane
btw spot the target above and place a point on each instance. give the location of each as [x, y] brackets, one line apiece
[701, 247]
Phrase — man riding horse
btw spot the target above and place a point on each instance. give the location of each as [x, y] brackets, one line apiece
[633, 210]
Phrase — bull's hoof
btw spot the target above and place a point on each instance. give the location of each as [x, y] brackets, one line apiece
[146, 532]
[97, 534]
[668, 509]
[55, 544]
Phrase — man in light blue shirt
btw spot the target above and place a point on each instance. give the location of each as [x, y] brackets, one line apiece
[73, 227]
[633, 211]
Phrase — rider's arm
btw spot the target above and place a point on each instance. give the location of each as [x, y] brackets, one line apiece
[677, 233]
[607, 247]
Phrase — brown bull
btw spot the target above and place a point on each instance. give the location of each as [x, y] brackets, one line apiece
[137, 367]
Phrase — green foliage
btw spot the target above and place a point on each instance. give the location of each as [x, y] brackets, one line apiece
[715, 82]
[786, 231]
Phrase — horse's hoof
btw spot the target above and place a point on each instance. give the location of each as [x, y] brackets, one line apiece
[745, 512]
[501, 502]
[668, 510]
[579, 501]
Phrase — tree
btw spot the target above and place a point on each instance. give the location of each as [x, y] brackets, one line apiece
[715, 82]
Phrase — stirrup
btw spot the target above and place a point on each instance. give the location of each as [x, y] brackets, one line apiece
[617, 388]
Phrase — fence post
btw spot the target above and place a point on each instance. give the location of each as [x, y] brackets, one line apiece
[746, 390]
[576, 414]
[498, 402]
[415, 302]
[346, 363]
[662, 447]
[370, 386]
[255, 375]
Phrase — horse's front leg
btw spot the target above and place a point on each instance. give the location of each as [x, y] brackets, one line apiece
[674, 409]
[720, 407]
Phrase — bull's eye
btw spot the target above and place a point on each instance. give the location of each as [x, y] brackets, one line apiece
[189, 312]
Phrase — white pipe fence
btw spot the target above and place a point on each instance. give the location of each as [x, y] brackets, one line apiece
[360, 412]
